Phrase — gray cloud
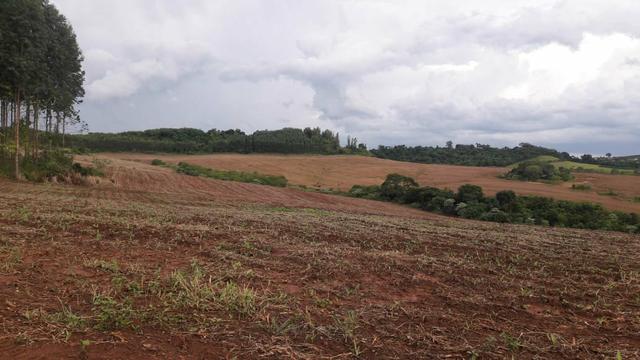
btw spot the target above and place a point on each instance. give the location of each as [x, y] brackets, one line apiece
[558, 73]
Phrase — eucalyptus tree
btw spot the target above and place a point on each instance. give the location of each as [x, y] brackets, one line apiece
[40, 72]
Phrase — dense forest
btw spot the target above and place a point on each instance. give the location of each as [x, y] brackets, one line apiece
[186, 140]
[507, 207]
[469, 155]
[41, 82]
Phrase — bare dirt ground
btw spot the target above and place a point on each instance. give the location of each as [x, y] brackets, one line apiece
[342, 172]
[159, 265]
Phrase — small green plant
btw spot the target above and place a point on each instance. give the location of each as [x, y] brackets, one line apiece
[636, 199]
[191, 288]
[68, 318]
[111, 314]
[158, 162]
[609, 192]
[238, 300]
[512, 343]
[111, 265]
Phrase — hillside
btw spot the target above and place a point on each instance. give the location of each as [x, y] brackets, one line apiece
[159, 265]
[342, 172]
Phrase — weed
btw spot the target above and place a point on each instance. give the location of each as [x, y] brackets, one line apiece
[346, 326]
[554, 339]
[111, 314]
[158, 162]
[12, 259]
[512, 343]
[281, 328]
[238, 300]
[67, 318]
[110, 266]
[191, 288]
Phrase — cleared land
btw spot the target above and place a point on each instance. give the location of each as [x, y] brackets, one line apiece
[342, 172]
[158, 265]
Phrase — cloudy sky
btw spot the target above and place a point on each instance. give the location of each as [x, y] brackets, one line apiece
[557, 73]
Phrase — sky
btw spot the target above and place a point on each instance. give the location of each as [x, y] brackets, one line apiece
[557, 73]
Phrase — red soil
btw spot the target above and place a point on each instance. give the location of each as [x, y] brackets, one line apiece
[342, 172]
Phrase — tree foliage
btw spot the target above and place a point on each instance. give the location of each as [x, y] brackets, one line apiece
[41, 79]
[470, 155]
[186, 140]
[505, 207]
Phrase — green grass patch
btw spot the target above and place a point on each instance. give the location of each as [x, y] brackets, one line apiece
[254, 177]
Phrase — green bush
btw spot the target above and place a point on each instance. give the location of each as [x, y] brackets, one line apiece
[157, 162]
[469, 202]
[581, 187]
[469, 193]
[396, 187]
[536, 170]
[256, 178]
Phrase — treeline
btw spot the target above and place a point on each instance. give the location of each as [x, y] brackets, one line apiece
[186, 140]
[616, 162]
[468, 155]
[41, 82]
[505, 207]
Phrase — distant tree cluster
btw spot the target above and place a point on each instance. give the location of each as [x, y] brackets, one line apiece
[41, 82]
[186, 140]
[616, 162]
[469, 155]
[537, 170]
[506, 207]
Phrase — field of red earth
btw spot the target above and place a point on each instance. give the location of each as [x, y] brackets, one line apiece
[615, 192]
[149, 264]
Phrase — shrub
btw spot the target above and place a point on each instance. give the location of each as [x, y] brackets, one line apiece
[471, 211]
[47, 166]
[535, 170]
[495, 215]
[195, 170]
[367, 192]
[396, 186]
[469, 193]
[157, 162]
[581, 187]
[506, 198]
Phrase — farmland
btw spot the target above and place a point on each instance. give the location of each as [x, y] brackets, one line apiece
[342, 172]
[148, 263]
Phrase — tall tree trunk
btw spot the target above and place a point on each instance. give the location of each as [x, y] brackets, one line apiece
[64, 123]
[36, 120]
[26, 132]
[16, 121]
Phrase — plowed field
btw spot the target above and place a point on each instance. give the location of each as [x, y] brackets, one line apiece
[342, 172]
[150, 264]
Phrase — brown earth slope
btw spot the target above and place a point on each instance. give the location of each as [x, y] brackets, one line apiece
[342, 172]
[163, 266]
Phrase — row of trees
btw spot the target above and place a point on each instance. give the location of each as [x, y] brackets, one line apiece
[469, 155]
[506, 207]
[186, 140]
[41, 81]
